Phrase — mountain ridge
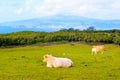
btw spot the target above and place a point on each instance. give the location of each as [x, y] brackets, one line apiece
[54, 23]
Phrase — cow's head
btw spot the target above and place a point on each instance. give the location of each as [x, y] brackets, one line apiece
[47, 58]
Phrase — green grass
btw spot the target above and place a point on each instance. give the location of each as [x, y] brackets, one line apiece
[25, 63]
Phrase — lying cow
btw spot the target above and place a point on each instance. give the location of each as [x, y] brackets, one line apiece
[57, 62]
[99, 48]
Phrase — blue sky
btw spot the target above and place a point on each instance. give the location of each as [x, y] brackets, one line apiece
[11, 10]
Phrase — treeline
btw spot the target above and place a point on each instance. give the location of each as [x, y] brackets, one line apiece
[28, 38]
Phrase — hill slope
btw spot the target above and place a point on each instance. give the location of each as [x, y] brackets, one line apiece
[54, 23]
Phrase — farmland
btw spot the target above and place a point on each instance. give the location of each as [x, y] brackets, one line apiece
[25, 63]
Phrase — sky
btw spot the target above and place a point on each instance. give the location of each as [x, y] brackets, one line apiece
[11, 10]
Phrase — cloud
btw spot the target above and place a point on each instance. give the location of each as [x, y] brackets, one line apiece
[19, 11]
[102, 9]
[26, 9]
[48, 7]
[87, 8]
[80, 27]
[60, 27]
[29, 2]
[50, 26]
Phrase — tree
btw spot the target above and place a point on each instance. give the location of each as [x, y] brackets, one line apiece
[71, 29]
[91, 28]
[63, 29]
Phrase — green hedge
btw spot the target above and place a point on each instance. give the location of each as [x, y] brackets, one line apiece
[27, 38]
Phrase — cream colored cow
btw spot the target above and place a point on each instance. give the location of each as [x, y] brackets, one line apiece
[57, 62]
[98, 49]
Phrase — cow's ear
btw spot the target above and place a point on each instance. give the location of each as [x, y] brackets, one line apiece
[45, 56]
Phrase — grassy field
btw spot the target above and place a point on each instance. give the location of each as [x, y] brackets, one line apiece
[25, 63]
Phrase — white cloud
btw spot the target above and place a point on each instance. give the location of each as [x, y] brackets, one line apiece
[29, 2]
[88, 8]
[116, 5]
[19, 11]
[51, 26]
[80, 27]
[24, 8]
[103, 9]
[61, 27]
[48, 8]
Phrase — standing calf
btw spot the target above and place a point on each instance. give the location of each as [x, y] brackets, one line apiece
[96, 49]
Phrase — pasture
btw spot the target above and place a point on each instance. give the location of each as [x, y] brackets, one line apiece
[25, 63]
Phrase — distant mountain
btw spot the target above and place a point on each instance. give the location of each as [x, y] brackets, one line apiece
[54, 23]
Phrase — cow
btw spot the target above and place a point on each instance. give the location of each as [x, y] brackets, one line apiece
[98, 49]
[55, 62]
